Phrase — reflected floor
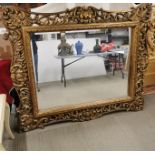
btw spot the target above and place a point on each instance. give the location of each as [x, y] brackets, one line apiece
[54, 94]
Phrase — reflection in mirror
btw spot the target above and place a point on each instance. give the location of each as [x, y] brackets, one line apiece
[80, 66]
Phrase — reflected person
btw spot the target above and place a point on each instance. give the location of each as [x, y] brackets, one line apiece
[35, 55]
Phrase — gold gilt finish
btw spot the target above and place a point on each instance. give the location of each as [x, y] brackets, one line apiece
[151, 35]
[151, 40]
[149, 80]
[19, 23]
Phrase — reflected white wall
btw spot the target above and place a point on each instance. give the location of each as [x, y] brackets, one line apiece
[49, 67]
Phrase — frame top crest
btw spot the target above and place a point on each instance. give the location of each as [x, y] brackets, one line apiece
[16, 17]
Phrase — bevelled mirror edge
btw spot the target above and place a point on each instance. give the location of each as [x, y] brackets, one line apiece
[19, 69]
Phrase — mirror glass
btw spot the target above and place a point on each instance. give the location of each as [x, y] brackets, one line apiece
[81, 66]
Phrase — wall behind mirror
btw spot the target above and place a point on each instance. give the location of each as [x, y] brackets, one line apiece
[95, 68]
[56, 7]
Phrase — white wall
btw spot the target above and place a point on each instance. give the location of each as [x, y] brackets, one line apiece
[50, 66]
[120, 6]
[56, 7]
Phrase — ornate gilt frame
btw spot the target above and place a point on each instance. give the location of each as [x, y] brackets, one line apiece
[19, 23]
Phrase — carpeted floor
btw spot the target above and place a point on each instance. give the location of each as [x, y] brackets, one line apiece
[82, 90]
[115, 131]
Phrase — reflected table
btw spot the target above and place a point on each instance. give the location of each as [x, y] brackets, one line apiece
[118, 60]
[82, 56]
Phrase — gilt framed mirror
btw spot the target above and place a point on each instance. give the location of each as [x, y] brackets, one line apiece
[78, 64]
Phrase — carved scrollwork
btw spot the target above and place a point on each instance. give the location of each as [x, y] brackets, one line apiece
[86, 15]
[15, 19]
[151, 39]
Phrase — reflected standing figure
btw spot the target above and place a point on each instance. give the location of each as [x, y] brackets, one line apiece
[35, 55]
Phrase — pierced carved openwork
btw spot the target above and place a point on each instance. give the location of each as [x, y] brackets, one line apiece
[20, 23]
[151, 35]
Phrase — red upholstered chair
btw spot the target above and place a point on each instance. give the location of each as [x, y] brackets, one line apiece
[5, 79]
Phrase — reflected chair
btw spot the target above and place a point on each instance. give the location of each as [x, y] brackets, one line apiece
[115, 62]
